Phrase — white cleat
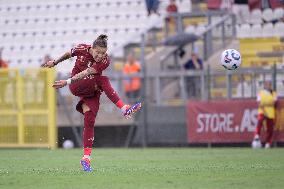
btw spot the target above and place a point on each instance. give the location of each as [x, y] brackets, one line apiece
[267, 145]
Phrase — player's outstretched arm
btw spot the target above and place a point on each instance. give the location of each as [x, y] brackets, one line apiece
[75, 78]
[53, 63]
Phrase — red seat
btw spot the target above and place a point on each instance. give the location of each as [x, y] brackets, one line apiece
[214, 4]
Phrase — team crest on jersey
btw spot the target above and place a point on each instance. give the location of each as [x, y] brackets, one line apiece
[90, 64]
[105, 60]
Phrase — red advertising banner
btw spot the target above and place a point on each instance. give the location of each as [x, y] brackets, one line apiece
[227, 121]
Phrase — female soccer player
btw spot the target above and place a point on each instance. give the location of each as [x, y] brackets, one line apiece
[266, 99]
[88, 83]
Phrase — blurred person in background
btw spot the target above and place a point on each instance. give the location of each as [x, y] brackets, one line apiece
[87, 82]
[266, 99]
[171, 8]
[195, 63]
[132, 85]
[3, 63]
[152, 7]
[46, 59]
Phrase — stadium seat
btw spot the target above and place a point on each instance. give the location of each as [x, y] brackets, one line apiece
[255, 17]
[267, 15]
[190, 29]
[238, 28]
[244, 31]
[200, 29]
[278, 29]
[278, 13]
[184, 5]
[256, 30]
[267, 30]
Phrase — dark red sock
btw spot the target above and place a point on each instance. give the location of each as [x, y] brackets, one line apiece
[269, 130]
[260, 119]
[88, 133]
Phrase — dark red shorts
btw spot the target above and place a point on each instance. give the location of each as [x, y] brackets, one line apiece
[88, 92]
[85, 87]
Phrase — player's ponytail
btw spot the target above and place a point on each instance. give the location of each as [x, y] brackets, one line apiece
[101, 41]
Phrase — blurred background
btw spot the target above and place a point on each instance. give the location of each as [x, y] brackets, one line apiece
[164, 53]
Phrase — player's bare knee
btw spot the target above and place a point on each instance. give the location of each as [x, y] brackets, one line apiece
[85, 108]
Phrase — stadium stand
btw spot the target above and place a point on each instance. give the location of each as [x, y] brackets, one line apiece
[264, 29]
[41, 27]
[260, 28]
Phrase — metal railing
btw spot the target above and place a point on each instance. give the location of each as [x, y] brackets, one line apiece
[241, 83]
[180, 17]
[220, 29]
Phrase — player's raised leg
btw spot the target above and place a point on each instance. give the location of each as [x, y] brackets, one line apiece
[127, 110]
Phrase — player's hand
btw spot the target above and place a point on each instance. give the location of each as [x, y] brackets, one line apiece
[49, 64]
[59, 84]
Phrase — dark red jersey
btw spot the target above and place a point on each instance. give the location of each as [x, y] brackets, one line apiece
[85, 60]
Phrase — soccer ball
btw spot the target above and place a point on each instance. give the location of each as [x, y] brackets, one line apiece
[68, 144]
[256, 144]
[231, 59]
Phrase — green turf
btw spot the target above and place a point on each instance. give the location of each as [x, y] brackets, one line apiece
[159, 168]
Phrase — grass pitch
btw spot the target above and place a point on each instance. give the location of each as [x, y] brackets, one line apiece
[159, 168]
